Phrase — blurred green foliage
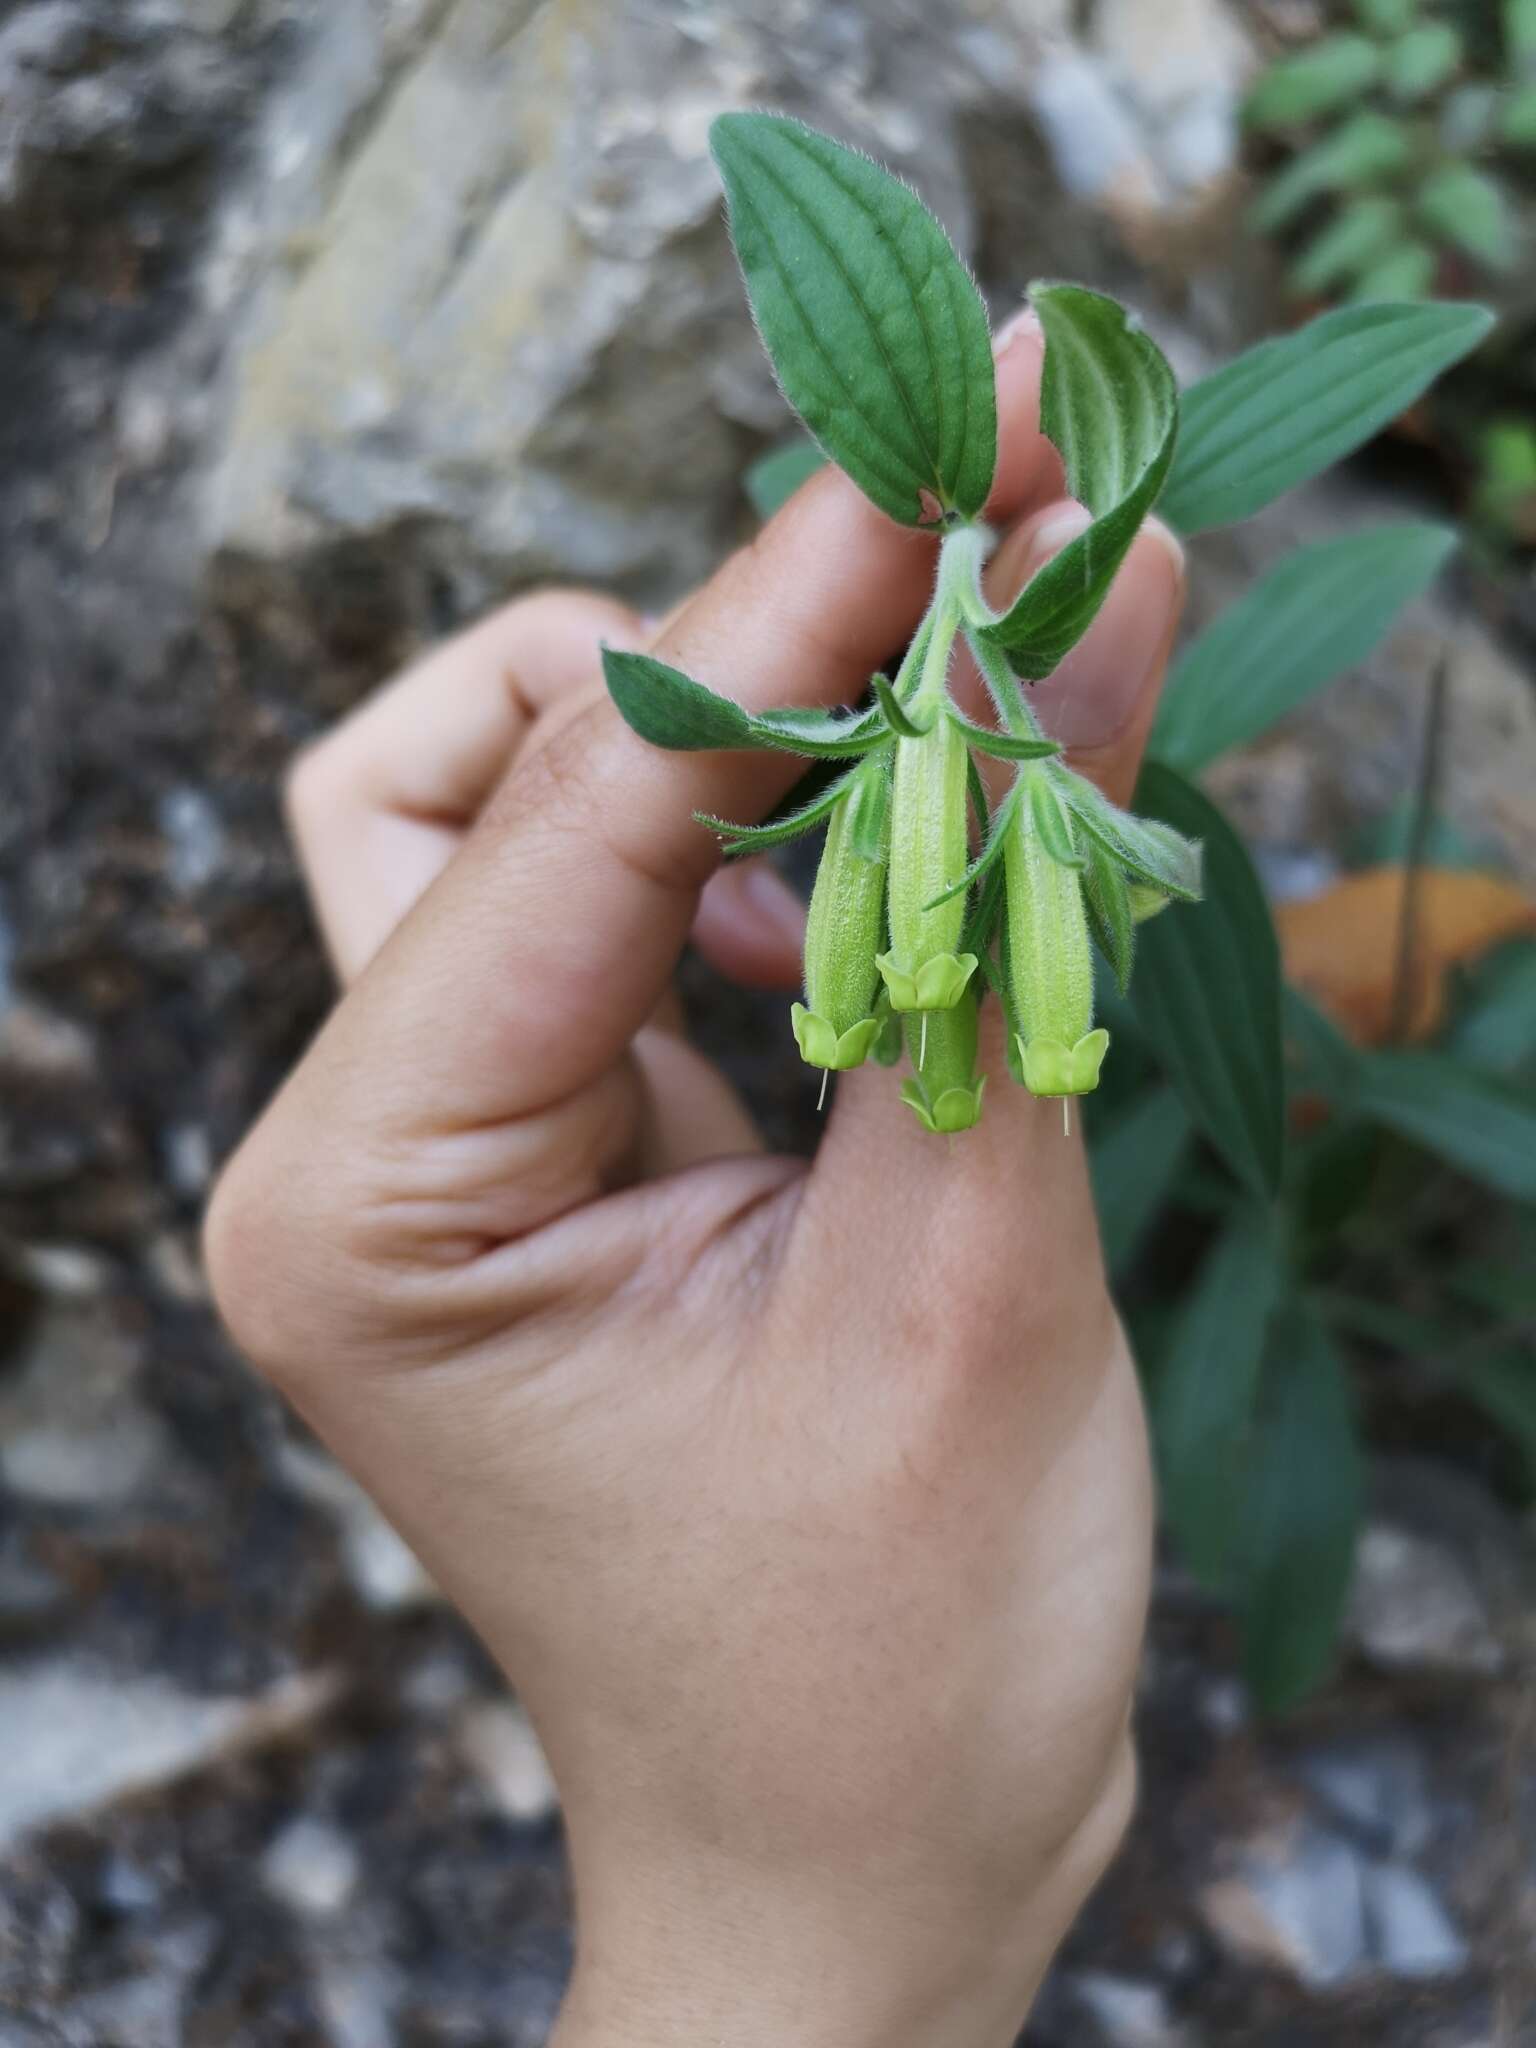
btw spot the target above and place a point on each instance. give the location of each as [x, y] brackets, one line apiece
[1397, 128]
[1401, 144]
[1303, 1230]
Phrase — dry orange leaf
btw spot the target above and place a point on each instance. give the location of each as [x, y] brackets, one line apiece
[1342, 947]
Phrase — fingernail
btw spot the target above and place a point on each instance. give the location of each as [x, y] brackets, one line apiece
[1025, 321]
[1091, 697]
[764, 895]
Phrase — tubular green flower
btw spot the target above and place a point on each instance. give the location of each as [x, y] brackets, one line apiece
[945, 1092]
[1050, 966]
[924, 970]
[836, 1026]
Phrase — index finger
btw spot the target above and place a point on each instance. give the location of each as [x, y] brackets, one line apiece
[529, 965]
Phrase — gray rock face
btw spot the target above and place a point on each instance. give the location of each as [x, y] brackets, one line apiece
[540, 348]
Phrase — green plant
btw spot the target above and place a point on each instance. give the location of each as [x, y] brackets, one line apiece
[1390, 124]
[881, 342]
[850, 280]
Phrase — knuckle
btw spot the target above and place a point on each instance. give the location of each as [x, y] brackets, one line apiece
[244, 1259]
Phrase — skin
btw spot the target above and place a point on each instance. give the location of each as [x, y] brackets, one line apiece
[806, 1506]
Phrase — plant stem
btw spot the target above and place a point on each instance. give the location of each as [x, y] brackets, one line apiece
[1420, 822]
[933, 690]
[1012, 706]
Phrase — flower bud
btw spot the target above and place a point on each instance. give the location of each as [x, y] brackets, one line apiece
[1050, 966]
[836, 1025]
[924, 970]
[945, 1091]
[1145, 901]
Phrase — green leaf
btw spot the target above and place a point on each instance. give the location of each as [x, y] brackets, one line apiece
[1317, 613]
[829, 735]
[1463, 207]
[1053, 822]
[1359, 236]
[670, 709]
[1386, 17]
[979, 807]
[1520, 34]
[1326, 1060]
[1421, 61]
[1483, 1127]
[986, 914]
[1005, 746]
[1109, 405]
[1517, 118]
[1203, 1399]
[1497, 1029]
[1316, 81]
[1468, 119]
[875, 328]
[743, 839]
[890, 709]
[869, 811]
[986, 861]
[1286, 410]
[1302, 1511]
[1364, 150]
[1107, 899]
[1134, 1166]
[775, 477]
[1146, 848]
[1406, 272]
[1207, 991]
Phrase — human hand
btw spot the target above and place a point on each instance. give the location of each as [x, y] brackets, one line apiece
[807, 1507]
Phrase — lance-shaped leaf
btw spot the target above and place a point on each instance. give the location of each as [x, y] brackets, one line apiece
[828, 735]
[1203, 1400]
[671, 710]
[892, 711]
[1207, 991]
[1006, 746]
[1483, 1126]
[1286, 410]
[1301, 1511]
[1314, 615]
[1053, 821]
[869, 814]
[1332, 73]
[1110, 918]
[1109, 404]
[1463, 207]
[874, 326]
[1368, 149]
[741, 839]
[986, 861]
[1134, 1165]
[1148, 849]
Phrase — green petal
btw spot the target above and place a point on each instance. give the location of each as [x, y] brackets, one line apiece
[957, 1109]
[937, 985]
[821, 1046]
[1051, 1068]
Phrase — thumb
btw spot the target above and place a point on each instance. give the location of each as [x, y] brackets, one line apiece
[1101, 701]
